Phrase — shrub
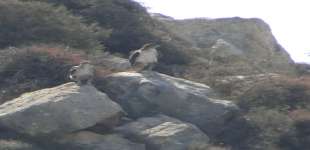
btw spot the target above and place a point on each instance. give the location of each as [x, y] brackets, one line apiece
[299, 136]
[30, 68]
[283, 93]
[303, 68]
[173, 54]
[271, 126]
[130, 24]
[128, 20]
[37, 22]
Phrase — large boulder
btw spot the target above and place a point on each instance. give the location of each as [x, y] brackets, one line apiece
[163, 132]
[86, 140]
[146, 93]
[58, 110]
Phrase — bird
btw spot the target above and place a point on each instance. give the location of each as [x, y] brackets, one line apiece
[83, 74]
[144, 58]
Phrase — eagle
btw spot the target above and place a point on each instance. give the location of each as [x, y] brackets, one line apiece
[144, 58]
[83, 73]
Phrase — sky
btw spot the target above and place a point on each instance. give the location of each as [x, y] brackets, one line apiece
[289, 19]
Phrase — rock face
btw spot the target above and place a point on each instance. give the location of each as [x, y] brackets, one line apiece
[165, 133]
[249, 39]
[91, 141]
[58, 110]
[150, 92]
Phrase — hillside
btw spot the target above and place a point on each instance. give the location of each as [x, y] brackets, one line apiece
[222, 84]
[228, 40]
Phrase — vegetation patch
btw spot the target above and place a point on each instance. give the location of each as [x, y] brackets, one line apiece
[283, 93]
[32, 68]
[37, 22]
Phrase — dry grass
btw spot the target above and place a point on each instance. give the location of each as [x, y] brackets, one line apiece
[31, 68]
[300, 115]
[283, 92]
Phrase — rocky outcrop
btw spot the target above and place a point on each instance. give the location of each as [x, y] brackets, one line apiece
[58, 110]
[248, 40]
[85, 140]
[172, 113]
[163, 133]
[148, 93]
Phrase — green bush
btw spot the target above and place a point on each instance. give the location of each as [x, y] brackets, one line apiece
[128, 20]
[298, 137]
[37, 22]
[271, 126]
[130, 24]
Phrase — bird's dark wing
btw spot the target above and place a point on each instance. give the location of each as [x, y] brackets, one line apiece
[133, 57]
[72, 71]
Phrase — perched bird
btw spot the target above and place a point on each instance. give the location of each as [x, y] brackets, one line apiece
[83, 73]
[144, 58]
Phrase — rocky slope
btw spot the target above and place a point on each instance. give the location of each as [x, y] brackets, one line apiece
[162, 112]
[241, 46]
[239, 60]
